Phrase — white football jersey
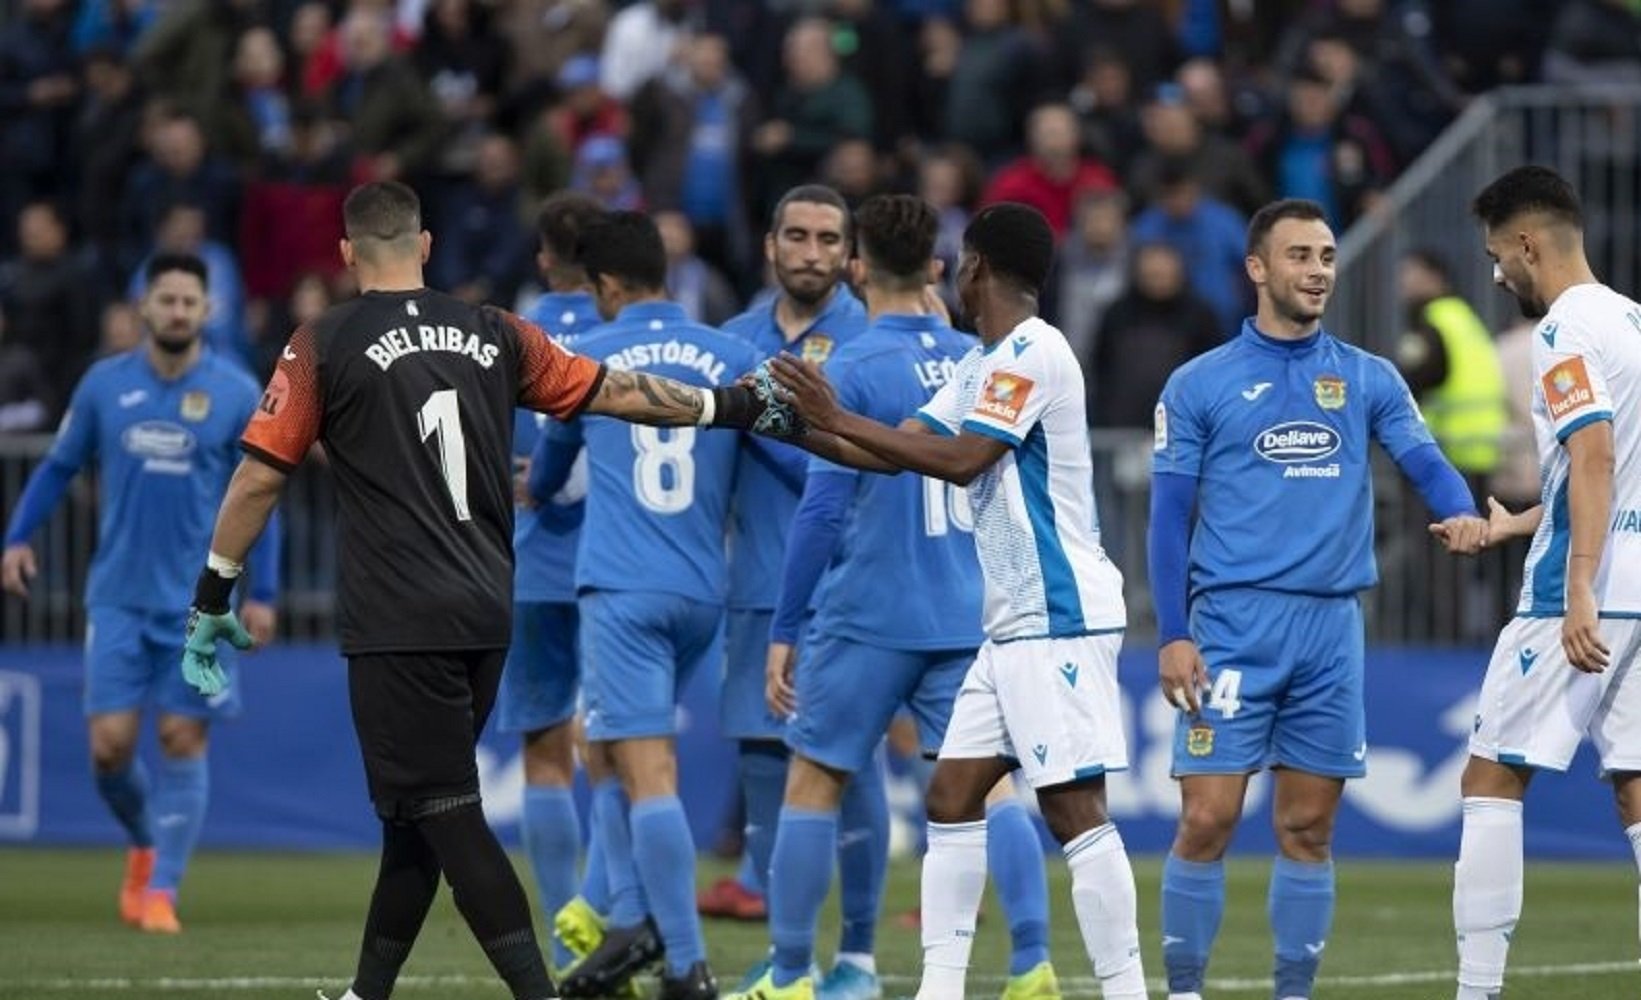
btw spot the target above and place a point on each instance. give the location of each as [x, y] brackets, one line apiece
[1587, 367]
[1035, 525]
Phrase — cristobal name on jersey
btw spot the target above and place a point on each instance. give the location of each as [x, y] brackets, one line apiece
[399, 341]
[668, 352]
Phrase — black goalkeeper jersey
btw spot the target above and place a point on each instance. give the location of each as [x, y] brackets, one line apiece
[412, 396]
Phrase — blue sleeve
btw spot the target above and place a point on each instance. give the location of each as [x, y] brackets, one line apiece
[1444, 490]
[1397, 423]
[789, 463]
[76, 440]
[46, 486]
[1178, 436]
[552, 459]
[816, 528]
[1168, 548]
[265, 561]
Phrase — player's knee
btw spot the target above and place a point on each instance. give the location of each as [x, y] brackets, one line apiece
[952, 801]
[180, 737]
[1304, 831]
[1205, 829]
[549, 757]
[110, 754]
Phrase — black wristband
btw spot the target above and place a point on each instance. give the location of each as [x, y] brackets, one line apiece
[736, 406]
[213, 591]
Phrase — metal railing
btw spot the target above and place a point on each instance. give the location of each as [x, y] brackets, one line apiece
[1590, 134]
[1425, 596]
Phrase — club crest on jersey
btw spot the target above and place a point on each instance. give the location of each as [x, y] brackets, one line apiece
[1199, 740]
[817, 347]
[1330, 392]
[196, 405]
[1004, 396]
[1567, 388]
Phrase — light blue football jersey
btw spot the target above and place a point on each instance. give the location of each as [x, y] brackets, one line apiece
[906, 576]
[765, 501]
[658, 497]
[545, 537]
[1277, 435]
[165, 451]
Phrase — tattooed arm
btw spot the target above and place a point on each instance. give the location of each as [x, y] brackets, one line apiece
[663, 402]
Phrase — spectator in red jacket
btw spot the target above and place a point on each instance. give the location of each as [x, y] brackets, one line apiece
[1054, 172]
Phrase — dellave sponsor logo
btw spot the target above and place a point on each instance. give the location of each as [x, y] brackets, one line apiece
[158, 439]
[1296, 441]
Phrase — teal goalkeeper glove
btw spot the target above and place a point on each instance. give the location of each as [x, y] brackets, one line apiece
[211, 619]
[199, 656]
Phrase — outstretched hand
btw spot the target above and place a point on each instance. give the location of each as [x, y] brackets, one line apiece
[811, 395]
[1464, 535]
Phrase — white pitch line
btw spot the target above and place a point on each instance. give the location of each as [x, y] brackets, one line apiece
[1082, 984]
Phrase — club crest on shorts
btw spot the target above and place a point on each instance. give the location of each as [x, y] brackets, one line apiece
[196, 406]
[1330, 392]
[817, 347]
[1199, 740]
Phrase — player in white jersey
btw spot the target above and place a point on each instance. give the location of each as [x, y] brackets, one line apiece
[1560, 671]
[1042, 693]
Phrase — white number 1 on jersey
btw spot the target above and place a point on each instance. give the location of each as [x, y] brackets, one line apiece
[442, 415]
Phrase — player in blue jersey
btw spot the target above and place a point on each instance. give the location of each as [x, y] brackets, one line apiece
[868, 653]
[1009, 422]
[539, 683]
[1266, 439]
[811, 314]
[651, 580]
[161, 424]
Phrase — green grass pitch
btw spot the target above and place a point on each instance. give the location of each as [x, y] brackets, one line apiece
[266, 926]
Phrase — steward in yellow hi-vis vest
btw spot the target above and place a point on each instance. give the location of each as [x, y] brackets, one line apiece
[1449, 361]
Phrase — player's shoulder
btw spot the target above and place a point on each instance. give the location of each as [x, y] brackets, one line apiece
[1206, 368]
[114, 368]
[230, 373]
[752, 323]
[1593, 311]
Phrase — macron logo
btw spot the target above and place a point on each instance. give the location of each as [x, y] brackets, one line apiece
[1040, 751]
[1316, 949]
[1257, 390]
[1020, 344]
[1548, 332]
[132, 398]
[1069, 672]
[1528, 658]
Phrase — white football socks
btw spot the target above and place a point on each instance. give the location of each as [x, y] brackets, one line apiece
[1487, 893]
[954, 879]
[1102, 892]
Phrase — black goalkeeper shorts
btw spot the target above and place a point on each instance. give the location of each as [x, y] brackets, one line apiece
[418, 717]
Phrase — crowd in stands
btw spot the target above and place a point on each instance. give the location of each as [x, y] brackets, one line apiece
[1145, 130]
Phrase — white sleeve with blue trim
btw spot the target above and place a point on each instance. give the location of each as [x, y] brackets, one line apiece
[943, 413]
[1016, 386]
[1568, 368]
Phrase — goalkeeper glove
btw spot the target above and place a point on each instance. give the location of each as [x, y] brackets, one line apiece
[211, 619]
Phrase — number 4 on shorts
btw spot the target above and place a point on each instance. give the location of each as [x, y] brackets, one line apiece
[1226, 694]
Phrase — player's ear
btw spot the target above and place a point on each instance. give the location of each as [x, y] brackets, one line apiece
[425, 242]
[937, 270]
[1255, 267]
[857, 272]
[769, 247]
[344, 246]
